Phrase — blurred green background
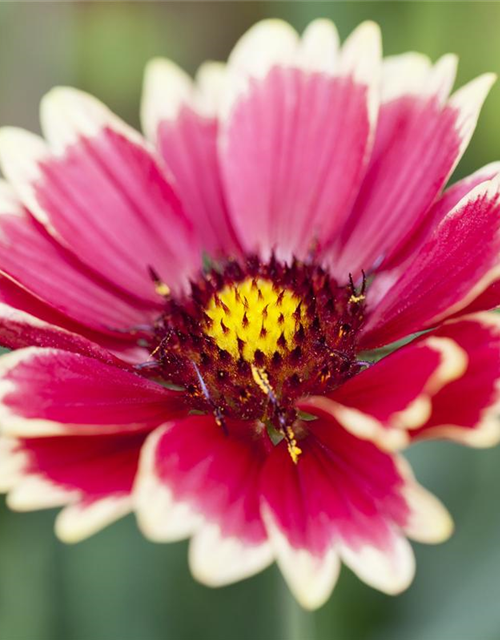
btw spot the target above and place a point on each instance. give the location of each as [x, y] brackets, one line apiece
[117, 586]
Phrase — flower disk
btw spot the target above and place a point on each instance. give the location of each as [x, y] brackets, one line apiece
[252, 338]
[256, 313]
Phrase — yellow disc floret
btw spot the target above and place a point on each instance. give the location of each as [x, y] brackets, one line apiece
[253, 315]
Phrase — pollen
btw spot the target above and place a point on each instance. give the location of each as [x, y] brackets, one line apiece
[293, 449]
[254, 315]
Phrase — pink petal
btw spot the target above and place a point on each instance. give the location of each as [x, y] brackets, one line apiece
[92, 474]
[27, 321]
[180, 117]
[19, 329]
[82, 519]
[216, 474]
[394, 395]
[341, 487]
[77, 462]
[346, 496]
[448, 273]
[295, 143]
[102, 193]
[402, 257]
[51, 392]
[36, 262]
[467, 409]
[315, 509]
[418, 144]
[443, 205]
[488, 299]
[194, 479]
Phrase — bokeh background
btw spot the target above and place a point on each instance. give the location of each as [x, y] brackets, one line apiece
[117, 586]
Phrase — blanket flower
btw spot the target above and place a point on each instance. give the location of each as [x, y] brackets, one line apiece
[200, 318]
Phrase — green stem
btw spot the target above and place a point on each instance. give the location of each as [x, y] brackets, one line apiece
[299, 624]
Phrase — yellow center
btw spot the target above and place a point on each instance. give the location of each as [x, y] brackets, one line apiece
[254, 315]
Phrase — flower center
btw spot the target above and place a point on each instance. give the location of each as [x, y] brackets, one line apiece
[253, 316]
[252, 338]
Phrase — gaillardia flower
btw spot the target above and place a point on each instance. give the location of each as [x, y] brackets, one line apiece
[197, 318]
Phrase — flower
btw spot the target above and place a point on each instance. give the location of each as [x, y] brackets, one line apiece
[196, 321]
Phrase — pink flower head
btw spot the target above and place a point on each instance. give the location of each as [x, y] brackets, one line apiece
[194, 317]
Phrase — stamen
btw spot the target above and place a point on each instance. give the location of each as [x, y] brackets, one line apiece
[161, 288]
[291, 441]
[355, 296]
[160, 346]
[261, 379]
[219, 418]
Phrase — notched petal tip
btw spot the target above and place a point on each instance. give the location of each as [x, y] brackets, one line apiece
[210, 87]
[390, 570]
[12, 463]
[403, 75]
[79, 521]
[442, 76]
[164, 69]
[269, 42]
[68, 114]
[34, 492]
[468, 101]
[429, 521]
[159, 516]
[310, 578]
[20, 153]
[361, 58]
[166, 87]
[323, 29]
[413, 74]
[216, 560]
[319, 47]
[362, 51]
